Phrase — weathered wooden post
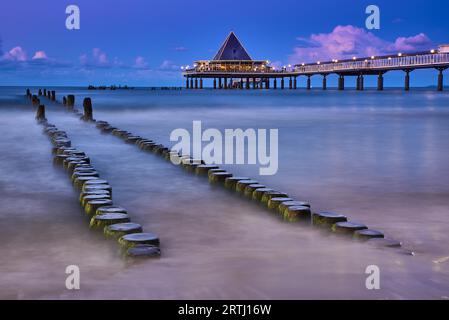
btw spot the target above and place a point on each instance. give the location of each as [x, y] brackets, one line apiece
[53, 95]
[70, 100]
[40, 92]
[88, 113]
[28, 93]
[45, 92]
[64, 100]
[40, 113]
[309, 83]
[35, 101]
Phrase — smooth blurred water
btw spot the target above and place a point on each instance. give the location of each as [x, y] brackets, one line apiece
[379, 157]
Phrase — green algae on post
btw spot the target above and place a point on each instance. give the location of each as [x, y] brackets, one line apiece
[103, 220]
[120, 229]
[327, 219]
[133, 239]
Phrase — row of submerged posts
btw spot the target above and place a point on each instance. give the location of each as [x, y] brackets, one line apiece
[95, 195]
[277, 202]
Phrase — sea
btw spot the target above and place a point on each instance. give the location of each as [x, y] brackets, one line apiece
[380, 158]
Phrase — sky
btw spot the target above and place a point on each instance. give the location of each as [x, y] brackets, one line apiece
[145, 42]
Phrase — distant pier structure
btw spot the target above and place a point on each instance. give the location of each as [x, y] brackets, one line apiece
[233, 68]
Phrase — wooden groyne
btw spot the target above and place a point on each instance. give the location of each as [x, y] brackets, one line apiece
[95, 194]
[279, 203]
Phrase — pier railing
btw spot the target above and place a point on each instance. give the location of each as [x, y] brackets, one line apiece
[394, 63]
[237, 71]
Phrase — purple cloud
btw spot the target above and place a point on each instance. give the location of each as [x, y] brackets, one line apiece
[15, 54]
[168, 65]
[40, 55]
[345, 42]
[140, 63]
[180, 48]
[418, 42]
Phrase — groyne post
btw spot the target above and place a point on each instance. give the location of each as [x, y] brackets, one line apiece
[70, 100]
[88, 113]
[40, 113]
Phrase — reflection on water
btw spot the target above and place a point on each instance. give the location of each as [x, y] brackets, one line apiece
[380, 158]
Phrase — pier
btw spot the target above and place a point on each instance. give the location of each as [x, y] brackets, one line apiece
[233, 68]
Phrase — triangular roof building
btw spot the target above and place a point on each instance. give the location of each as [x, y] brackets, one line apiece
[232, 49]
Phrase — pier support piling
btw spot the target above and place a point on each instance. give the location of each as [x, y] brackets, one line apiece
[187, 83]
[215, 83]
[407, 80]
[191, 83]
[275, 83]
[196, 83]
[290, 83]
[254, 83]
[282, 83]
[324, 81]
[247, 83]
[309, 83]
[440, 86]
[341, 82]
[201, 83]
[220, 84]
[295, 83]
[380, 81]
